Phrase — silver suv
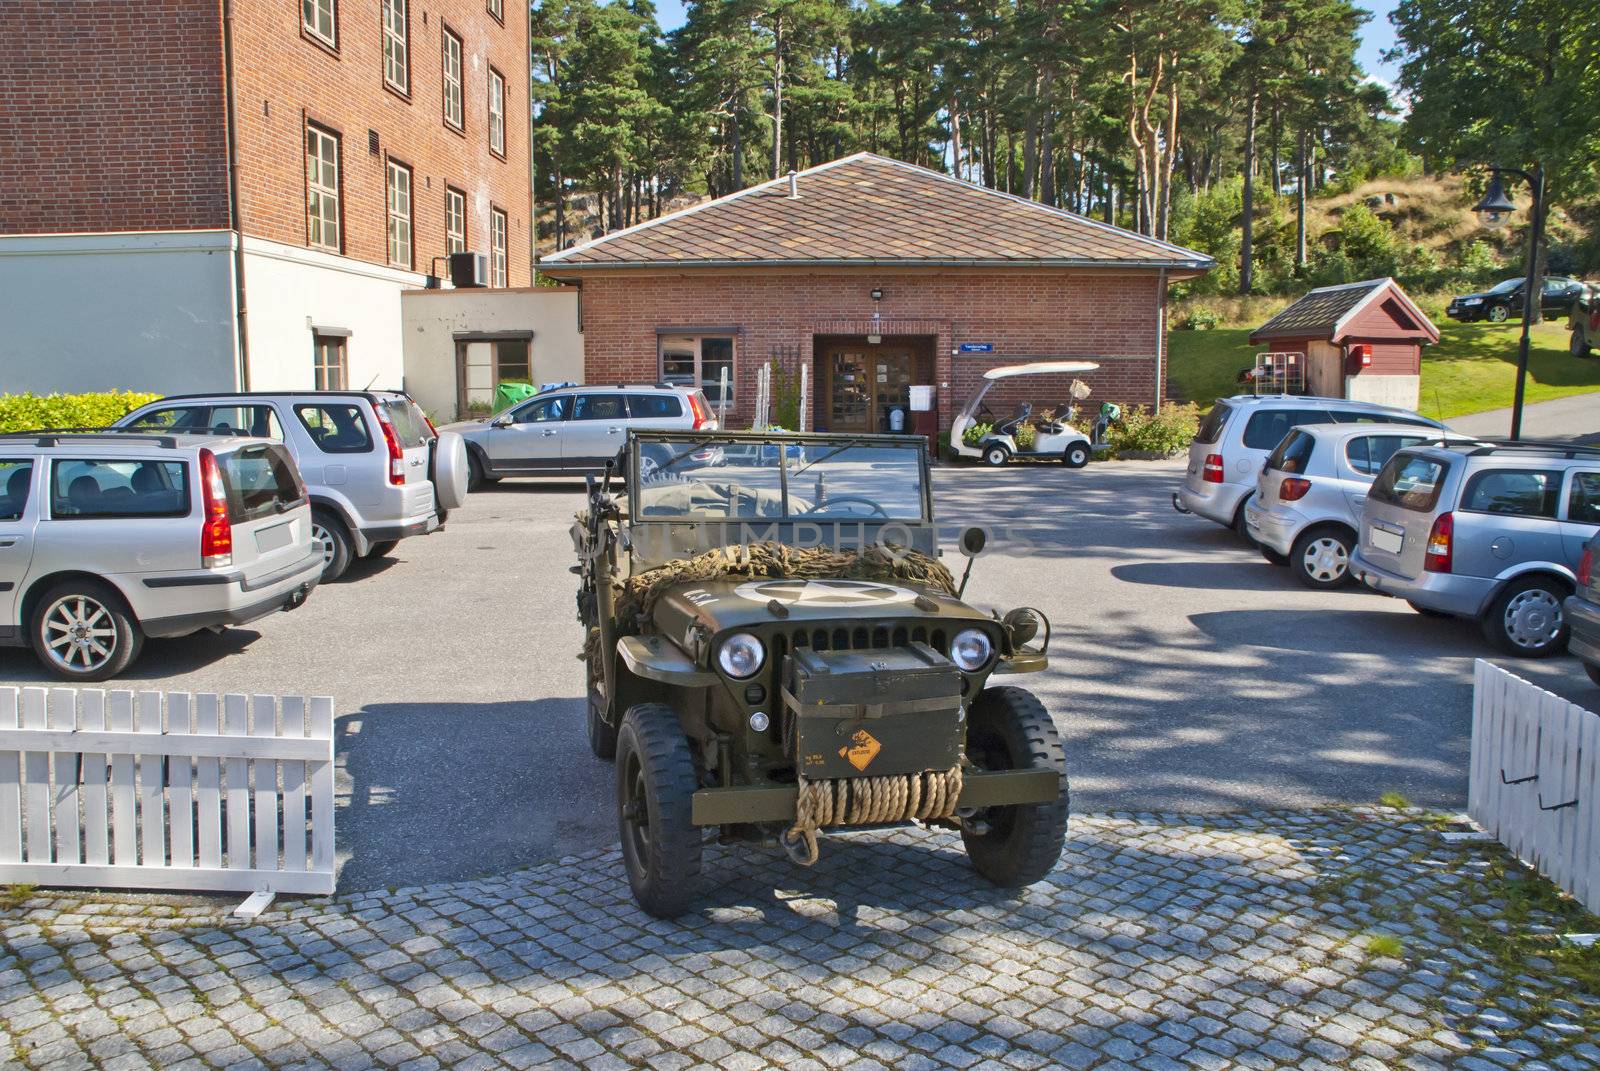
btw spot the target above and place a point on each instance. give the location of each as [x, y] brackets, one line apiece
[1309, 496]
[109, 537]
[575, 431]
[1239, 432]
[376, 468]
[1488, 531]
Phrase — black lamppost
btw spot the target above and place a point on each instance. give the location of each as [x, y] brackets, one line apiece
[1492, 211]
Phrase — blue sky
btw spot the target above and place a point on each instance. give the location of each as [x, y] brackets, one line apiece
[1377, 34]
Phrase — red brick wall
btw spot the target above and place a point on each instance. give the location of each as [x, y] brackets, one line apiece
[1025, 314]
[112, 116]
[283, 78]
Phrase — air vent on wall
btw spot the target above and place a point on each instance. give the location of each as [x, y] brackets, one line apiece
[372, 142]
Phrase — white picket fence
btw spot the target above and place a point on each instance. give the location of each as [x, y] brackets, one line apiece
[170, 791]
[1535, 781]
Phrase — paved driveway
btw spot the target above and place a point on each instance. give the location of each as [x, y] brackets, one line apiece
[1189, 675]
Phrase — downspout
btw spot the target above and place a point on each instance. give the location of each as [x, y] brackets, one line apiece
[234, 222]
[1161, 333]
[533, 201]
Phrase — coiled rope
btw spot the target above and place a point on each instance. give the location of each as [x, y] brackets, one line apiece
[856, 801]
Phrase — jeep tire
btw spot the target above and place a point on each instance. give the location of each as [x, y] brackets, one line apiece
[655, 789]
[1009, 729]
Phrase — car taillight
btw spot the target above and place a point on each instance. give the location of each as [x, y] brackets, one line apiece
[1438, 559]
[703, 420]
[1586, 567]
[1293, 488]
[1212, 473]
[216, 531]
[397, 460]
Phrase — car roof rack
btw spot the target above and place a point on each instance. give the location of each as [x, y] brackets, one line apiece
[1568, 451]
[52, 436]
[364, 393]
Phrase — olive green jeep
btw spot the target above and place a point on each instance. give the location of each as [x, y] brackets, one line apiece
[774, 649]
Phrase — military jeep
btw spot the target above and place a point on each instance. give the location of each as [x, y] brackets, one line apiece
[774, 650]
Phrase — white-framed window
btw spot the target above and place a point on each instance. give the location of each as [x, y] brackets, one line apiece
[497, 112]
[328, 365]
[322, 188]
[399, 202]
[397, 45]
[497, 8]
[320, 19]
[698, 361]
[497, 262]
[452, 80]
[455, 220]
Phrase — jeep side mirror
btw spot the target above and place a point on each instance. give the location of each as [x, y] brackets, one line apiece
[973, 540]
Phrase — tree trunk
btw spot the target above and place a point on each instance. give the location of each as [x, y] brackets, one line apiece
[955, 138]
[1170, 164]
[738, 155]
[1247, 209]
[1302, 165]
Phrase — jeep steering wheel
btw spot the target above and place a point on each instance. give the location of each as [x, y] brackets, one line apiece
[858, 499]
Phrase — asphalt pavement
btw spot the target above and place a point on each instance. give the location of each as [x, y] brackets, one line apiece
[1188, 675]
[1574, 419]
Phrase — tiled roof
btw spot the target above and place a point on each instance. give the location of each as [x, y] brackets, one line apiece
[869, 210]
[1322, 313]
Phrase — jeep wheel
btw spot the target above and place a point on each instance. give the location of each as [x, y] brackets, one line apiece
[1018, 844]
[602, 737]
[655, 785]
[331, 540]
[1527, 620]
[1498, 314]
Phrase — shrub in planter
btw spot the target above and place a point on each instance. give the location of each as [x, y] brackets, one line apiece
[1026, 436]
[1158, 434]
[25, 412]
[976, 433]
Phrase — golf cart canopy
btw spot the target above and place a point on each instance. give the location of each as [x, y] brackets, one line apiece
[993, 375]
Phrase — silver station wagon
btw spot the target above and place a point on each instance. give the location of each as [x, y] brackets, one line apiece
[107, 537]
[1493, 532]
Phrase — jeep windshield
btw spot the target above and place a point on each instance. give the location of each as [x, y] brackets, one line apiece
[810, 478]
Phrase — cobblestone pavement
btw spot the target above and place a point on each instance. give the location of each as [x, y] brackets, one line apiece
[1306, 940]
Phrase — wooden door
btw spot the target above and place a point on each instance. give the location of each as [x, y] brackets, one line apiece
[862, 382]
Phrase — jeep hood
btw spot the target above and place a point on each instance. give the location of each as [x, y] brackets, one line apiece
[719, 605]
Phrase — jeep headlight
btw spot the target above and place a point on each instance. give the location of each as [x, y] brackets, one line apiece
[971, 649]
[741, 655]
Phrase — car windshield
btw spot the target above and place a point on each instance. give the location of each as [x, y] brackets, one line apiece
[834, 479]
[1505, 287]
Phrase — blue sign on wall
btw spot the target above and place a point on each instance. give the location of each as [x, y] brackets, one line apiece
[976, 347]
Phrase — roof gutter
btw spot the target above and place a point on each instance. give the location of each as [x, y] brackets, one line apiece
[551, 265]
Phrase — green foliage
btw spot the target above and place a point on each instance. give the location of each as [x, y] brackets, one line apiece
[1026, 436]
[786, 395]
[1199, 318]
[976, 433]
[1385, 946]
[1164, 433]
[1397, 800]
[25, 412]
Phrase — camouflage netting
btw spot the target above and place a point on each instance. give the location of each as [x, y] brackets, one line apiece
[636, 597]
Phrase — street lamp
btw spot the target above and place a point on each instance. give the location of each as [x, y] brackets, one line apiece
[1493, 210]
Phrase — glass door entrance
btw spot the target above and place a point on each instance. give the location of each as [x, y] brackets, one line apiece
[864, 383]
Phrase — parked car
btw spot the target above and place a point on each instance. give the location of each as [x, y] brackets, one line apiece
[1238, 433]
[108, 537]
[1307, 507]
[1493, 532]
[1583, 611]
[1503, 301]
[377, 470]
[1584, 323]
[575, 431]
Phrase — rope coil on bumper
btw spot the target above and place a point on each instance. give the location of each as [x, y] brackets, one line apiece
[855, 801]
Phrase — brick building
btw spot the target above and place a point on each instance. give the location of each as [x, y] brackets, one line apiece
[880, 276]
[201, 194]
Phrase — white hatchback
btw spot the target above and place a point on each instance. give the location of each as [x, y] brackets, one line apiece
[1306, 509]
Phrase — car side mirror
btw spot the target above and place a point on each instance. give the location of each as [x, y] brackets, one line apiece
[973, 540]
[501, 422]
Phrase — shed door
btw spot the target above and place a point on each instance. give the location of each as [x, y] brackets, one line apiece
[1324, 371]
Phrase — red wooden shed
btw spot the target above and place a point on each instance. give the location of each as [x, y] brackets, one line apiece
[1361, 340]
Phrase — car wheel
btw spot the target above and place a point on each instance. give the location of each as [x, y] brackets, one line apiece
[83, 631]
[476, 476]
[1498, 314]
[1526, 620]
[1076, 456]
[996, 455]
[1240, 526]
[1427, 611]
[655, 787]
[1009, 729]
[1321, 558]
[379, 549]
[1579, 347]
[332, 540]
[1593, 671]
[1271, 555]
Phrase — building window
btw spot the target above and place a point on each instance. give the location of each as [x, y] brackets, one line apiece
[483, 365]
[320, 19]
[328, 364]
[397, 45]
[497, 8]
[399, 215]
[455, 221]
[322, 188]
[698, 361]
[452, 81]
[497, 112]
[497, 262]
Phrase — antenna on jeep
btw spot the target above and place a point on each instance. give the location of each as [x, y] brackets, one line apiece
[972, 544]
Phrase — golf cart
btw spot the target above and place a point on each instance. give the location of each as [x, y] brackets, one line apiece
[1052, 439]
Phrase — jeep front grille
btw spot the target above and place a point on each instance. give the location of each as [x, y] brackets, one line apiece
[860, 638]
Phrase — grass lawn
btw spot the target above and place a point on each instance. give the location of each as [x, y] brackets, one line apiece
[1472, 369]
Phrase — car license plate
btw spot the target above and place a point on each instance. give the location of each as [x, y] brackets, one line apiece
[1385, 540]
[274, 538]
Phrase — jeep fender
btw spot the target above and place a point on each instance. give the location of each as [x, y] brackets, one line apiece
[654, 659]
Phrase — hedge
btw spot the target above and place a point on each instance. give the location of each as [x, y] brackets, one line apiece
[25, 412]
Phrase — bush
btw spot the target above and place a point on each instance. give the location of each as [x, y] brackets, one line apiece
[25, 412]
[1199, 318]
[976, 433]
[1163, 433]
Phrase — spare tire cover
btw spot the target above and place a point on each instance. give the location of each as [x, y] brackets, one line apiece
[449, 471]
